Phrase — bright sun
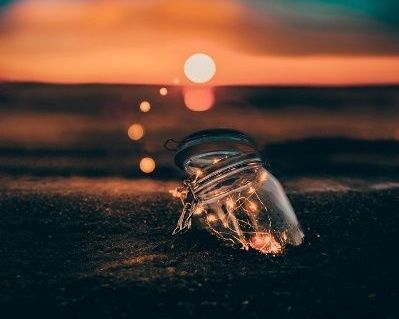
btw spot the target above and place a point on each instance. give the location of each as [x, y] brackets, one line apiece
[199, 68]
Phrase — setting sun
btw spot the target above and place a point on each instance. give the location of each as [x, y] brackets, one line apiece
[199, 68]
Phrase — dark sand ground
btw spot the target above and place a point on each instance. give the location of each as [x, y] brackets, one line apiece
[102, 248]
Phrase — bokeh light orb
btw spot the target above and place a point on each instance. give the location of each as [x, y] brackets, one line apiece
[145, 106]
[135, 132]
[198, 98]
[147, 165]
[199, 68]
[163, 91]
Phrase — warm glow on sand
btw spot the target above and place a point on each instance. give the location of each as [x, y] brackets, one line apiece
[199, 68]
[163, 91]
[147, 165]
[145, 106]
[135, 132]
[199, 98]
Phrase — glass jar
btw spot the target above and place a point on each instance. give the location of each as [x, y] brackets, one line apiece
[230, 194]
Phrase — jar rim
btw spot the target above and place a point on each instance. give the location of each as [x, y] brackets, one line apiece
[213, 140]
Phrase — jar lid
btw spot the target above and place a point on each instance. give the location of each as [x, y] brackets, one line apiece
[212, 140]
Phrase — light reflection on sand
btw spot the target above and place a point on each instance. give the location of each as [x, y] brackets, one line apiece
[131, 261]
[83, 185]
[121, 186]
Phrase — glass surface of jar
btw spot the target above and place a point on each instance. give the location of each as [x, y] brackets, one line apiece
[232, 195]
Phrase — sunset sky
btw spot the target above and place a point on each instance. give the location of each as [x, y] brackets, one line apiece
[252, 42]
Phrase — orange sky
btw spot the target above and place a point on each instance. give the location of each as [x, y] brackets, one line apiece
[148, 42]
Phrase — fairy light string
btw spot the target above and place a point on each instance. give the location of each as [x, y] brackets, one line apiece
[226, 223]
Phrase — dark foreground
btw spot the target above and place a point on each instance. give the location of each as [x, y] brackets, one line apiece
[87, 248]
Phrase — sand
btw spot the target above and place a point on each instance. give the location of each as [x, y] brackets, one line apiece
[99, 248]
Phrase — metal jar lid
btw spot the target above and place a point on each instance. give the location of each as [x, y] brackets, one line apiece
[212, 140]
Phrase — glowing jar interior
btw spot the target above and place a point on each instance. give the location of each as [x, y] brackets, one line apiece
[238, 200]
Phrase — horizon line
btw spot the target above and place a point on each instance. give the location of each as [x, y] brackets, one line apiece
[254, 85]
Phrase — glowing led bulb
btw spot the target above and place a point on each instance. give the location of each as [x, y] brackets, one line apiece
[241, 202]
[163, 91]
[211, 218]
[135, 132]
[252, 207]
[265, 243]
[145, 106]
[147, 165]
[230, 204]
[198, 210]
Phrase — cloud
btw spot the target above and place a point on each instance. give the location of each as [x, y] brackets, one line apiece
[315, 27]
[148, 40]
[327, 14]
[280, 28]
[5, 2]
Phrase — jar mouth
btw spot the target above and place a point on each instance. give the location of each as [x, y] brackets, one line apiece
[212, 141]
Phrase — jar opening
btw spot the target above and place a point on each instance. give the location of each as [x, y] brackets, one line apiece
[203, 148]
